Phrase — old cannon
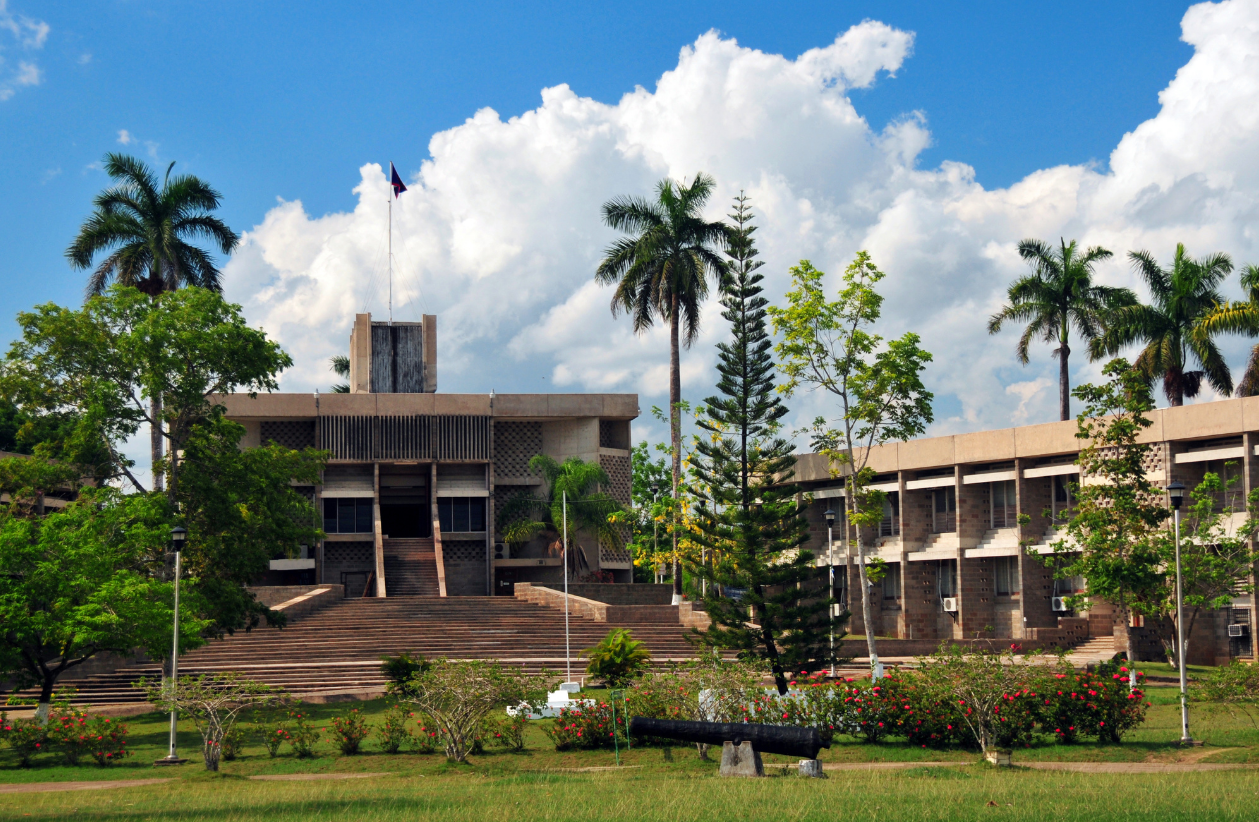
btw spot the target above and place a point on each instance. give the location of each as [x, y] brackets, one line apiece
[742, 742]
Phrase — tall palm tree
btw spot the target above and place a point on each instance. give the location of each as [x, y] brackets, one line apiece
[1240, 317]
[1172, 328]
[1059, 294]
[661, 270]
[574, 490]
[146, 233]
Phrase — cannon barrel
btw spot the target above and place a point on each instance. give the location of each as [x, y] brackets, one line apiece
[778, 739]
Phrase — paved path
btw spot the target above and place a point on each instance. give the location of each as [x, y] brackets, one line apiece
[1075, 767]
[48, 787]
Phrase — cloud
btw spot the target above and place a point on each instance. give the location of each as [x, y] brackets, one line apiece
[500, 232]
[85, 58]
[27, 34]
[124, 137]
[49, 175]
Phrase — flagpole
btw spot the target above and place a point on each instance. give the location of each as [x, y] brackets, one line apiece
[391, 196]
[568, 655]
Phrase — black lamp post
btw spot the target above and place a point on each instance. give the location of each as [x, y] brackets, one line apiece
[178, 536]
[830, 562]
[1176, 493]
[655, 543]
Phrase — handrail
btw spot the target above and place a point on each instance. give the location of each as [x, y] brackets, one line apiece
[439, 558]
[370, 578]
[380, 550]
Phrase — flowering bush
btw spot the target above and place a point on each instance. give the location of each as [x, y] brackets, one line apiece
[458, 696]
[26, 737]
[214, 702]
[590, 726]
[107, 740]
[273, 735]
[427, 735]
[395, 731]
[303, 736]
[349, 731]
[67, 732]
[233, 742]
[507, 731]
[1098, 704]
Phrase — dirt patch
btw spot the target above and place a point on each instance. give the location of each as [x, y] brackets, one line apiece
[48, 787]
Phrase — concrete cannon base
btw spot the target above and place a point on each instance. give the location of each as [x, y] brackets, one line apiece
[740, 760]
[812, 768]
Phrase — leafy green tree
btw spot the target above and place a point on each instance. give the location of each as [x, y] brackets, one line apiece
[1216, 559]
[1173, 329]
[830, 346]
[55, 435]
[1059, 294]
[573, 489]
[747, 516]
[1114, 538]
[618, 658]
[147, 234]
[341, 367]
[83, 581]
[662, 270]
[29, 480]
[106, 359]
[644, 516]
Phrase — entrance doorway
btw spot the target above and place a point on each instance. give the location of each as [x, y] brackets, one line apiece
[405, 507]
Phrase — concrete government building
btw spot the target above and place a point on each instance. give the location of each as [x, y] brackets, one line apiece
[951, 537]
[410, 494]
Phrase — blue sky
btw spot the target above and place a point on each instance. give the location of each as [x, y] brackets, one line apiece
[287, 102]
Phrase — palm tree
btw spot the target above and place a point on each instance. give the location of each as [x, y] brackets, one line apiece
[1240, 317]
[574, 485]
[146, 233]
[1172, 329]
[661, 270]
[1059, 294]
[341, 365]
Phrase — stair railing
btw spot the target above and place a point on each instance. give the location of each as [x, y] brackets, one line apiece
[367, 589]
[439, 557]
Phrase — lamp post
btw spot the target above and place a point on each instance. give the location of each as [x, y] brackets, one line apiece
[1176, 492]
[178, 536]
[655, 542]
[830, 563]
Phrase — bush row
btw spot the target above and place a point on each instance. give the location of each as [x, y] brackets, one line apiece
[71, 734]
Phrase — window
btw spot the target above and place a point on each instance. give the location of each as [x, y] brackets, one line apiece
[461, 514]
[1004, 507]
[347, 515]
[943, 510]
[892, 582]
[946, 577]
[890, 525]
[1007, 572]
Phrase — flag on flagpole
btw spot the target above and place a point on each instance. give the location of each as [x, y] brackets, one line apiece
[395, 181]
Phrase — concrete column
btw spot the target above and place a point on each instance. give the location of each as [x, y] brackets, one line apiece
[1036, 579]
[379, 537]
[974, 576]
[1250, 466]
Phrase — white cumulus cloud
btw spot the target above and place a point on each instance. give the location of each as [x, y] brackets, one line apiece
[26, 34]
[124, 137]
[500, 232]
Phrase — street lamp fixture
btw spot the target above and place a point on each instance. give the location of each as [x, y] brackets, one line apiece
[1176, 494]
[178, 537]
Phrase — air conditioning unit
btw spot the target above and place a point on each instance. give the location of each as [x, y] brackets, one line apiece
[1238, 630]
[950, 604]
[502, 550]
[1059, 604]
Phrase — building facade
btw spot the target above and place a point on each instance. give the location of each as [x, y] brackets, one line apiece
[959, 563]
[410, 497]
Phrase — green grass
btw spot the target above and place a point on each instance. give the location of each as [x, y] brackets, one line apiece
[539, 783]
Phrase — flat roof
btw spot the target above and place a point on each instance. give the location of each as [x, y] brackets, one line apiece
[518, 406]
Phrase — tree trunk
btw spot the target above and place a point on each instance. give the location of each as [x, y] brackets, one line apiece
[866, 616]
[675, 433]
[45, 699]
[1064, 382]
[155, 441]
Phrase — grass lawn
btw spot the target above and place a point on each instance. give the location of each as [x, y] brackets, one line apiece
[655, 784]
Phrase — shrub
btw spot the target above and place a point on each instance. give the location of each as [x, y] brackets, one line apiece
[507, 731]
[107, 740]
[1097, 704]
[215, 702]
[273, 735]
[395, 731]
[590, 726]
[618, 658]
[427, 735]
[458, 696]
[27, 738]
[303, 736]
[233, 743]
[67, 732]
[401, 669]
[349, 731]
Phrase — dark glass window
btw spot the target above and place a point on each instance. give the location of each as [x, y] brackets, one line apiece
[348, 516]
[330, 516]
[461, 513]
[363, 516]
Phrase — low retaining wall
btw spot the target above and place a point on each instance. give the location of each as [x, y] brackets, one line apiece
[297, 601]
[616, 594]
[603, 612]
[1071, 631]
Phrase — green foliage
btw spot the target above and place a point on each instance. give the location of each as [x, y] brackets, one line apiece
[28, 480]
[458, 696]
[349, 731]
[401, 669]
[831, 346]
[52, 435]
[302, 734]
[107, 740]
[82, 581]
[647, 510]
[272, 735]
[591, 725]
[341, 367]
[1176, 329]
[618, 658]
[505, 731]
[1115, 537]
[394, 730]
[1098, 704]
[233, 743]
[25, 737]
[67, 732]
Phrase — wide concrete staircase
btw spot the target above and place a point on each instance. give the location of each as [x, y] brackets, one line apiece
[410, 568]
[1092, 651]
[336, 651]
